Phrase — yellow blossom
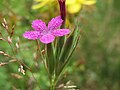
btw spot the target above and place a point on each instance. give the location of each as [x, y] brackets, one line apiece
[75, 6]
[41, 3]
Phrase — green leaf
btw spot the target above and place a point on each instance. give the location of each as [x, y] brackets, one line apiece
[59, 46]
[50, 58]
[68, 50]
[69, 44]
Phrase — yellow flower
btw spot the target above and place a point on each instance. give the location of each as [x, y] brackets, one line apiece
[41, 3]
[75, 6]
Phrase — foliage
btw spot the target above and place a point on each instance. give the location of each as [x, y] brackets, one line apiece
[95, 64]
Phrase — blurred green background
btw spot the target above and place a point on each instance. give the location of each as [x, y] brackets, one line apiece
[95, 64]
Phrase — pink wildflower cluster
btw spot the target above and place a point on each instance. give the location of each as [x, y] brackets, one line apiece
[46, 34]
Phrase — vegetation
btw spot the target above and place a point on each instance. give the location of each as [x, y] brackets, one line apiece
[95, 63]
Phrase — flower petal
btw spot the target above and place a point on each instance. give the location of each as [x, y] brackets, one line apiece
[48, 38]
[74, 8]
[87, 2]
[38, 25]
[70, 2]
[55, 23]
[40, 3]
[31, 35]
[61, 32]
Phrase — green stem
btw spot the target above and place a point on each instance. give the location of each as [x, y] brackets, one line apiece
[52, 87]
[52, 84]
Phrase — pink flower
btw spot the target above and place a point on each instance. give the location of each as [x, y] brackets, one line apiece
[46, 34]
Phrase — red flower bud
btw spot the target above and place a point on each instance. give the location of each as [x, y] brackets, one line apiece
[62, 10]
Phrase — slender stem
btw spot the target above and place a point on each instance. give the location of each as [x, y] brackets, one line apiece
[52, 87]
[20, 62]
[43, 59]
[52, 84]
[59, 44]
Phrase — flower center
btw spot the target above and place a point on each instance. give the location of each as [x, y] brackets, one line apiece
[46, 31]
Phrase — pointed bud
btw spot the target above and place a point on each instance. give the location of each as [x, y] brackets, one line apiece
[62, 10]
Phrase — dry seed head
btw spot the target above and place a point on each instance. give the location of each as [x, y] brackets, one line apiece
[70, 87]
[1, 52]
[5, 63]
[17, 45]
[68, 82]
[43, 51]
[6, 27]
[61, 86]
[1, 38]
[12, 60]
[21, 70]
[2, 64]
[13, 27]
[5, 22]
[9, 40]
[3, 25]
[16, 75]
[5, 54]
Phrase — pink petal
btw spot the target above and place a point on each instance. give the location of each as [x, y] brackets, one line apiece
[61, 32]
[48, 38]
[38, 25]
[55, 23]
[31, 35]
